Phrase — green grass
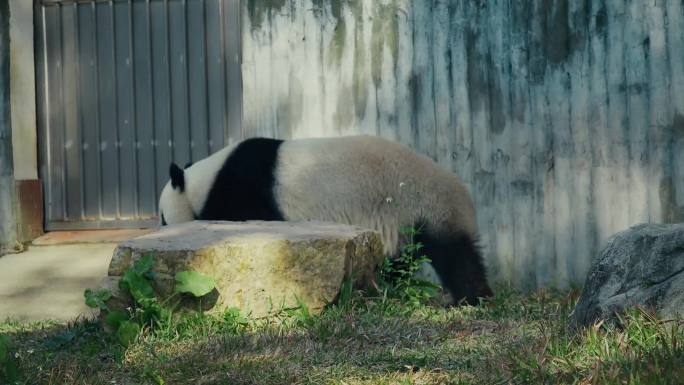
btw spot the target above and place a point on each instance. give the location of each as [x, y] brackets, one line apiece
[512, 338]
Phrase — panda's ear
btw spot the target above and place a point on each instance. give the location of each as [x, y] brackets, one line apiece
[177, 177]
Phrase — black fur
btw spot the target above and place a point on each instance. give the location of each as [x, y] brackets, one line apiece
[243, 189]
[163, 222]
[458, 262]
[177, 177]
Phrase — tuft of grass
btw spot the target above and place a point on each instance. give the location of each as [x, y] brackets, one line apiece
[512, 338]
[398, 276]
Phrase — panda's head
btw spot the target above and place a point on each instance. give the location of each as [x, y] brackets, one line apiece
[174, 203]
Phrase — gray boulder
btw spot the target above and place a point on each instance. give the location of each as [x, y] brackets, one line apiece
[639, 267]
[258, 266]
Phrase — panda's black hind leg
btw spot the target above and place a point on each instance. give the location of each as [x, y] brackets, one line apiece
[458, 262]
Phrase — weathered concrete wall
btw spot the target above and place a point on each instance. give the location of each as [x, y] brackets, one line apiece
[23, 90]
[565, 118]
[7, 215]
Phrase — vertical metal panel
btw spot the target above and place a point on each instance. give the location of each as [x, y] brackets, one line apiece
[564, 118]
[179, 88]
[125, 88]
[56, 181]
[73, 165]
[144, 127]
[232, 51]
[197, 79]
[162, 88]
[216, 74]
[106, 75]
[128, 193]
[88, 106]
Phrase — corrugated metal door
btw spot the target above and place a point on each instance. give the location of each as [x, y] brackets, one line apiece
[124, 88]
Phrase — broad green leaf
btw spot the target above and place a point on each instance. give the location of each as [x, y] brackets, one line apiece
[151, 309]
[194, 283]
[143, 265]
[97, 299]
[137, 285]
[90, 299]
[127, 333]
[115, 318]
[103, 294]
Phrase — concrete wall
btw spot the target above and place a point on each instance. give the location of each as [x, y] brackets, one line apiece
[564, 118]
[23, 90]
[7, 207]
[22, 95]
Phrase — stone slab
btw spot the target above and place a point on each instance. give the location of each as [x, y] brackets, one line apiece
[258, 266]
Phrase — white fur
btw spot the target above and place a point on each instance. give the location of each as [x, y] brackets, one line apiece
[174, 206]
[371, 182]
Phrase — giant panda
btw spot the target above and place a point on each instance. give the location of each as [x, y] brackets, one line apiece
[360, 180]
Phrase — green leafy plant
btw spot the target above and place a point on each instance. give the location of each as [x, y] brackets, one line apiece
[147, 310]
[300, 313]
[97, 299]
[398, 275]
[233, 321]
[127, 332]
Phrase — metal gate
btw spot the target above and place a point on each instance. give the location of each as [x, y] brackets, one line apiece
[124, 88]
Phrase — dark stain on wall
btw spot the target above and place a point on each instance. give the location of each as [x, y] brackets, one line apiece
[601, 20]
[259, 10]
[450, 71]
[497, 123]
[678, 126]
[646, 46]
[415, 86]
[337, 43]
[557, 30]
[360, 77]
[336, 7]
[384, 24]
[327, 10]
[385, 32]
[556, 41]
[671, 211]
[484, 84]
[634, 88]
[485, 186]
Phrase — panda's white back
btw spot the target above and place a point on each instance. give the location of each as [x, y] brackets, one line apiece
[371, 182]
